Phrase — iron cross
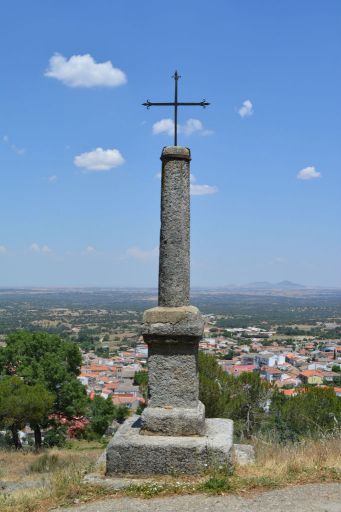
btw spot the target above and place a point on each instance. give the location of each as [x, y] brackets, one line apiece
[176, 104]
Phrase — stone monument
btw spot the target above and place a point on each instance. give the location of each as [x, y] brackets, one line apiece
[172, 434]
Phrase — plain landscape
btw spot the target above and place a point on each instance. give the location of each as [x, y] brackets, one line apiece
[240, 322]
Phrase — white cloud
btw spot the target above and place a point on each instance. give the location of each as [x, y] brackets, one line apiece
[44, 249]
[201, 190]
[206, 133]
[246, 110]
[84, 71]
[164, 126]
[6, 140]
[308, 173]
[141, 254]
[99, 160]
[35, 247]
[191, 126]
[188, 128]
[3, 249]
[279, 260]
[52, 178]
[90, 249]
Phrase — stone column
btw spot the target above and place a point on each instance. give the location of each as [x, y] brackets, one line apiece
[172, 436]
[174, 266]
[173, 329]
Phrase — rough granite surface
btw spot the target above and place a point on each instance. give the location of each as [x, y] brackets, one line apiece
[183, 322]
[174, 266]
[129, 452]
[244, 454]
[173, 375]
[174, 421]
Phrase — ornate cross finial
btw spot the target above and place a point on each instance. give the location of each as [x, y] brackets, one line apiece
[176, 104]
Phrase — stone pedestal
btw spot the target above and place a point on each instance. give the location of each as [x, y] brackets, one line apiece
[130, 453]
[172, 434]
[173, 335]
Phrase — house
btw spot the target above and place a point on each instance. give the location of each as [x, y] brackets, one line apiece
[289, 392]
[267, 358]
[238, 369]
[128, 399]
[311, 377]
[247, 359]
[271, 374]
[331, 376]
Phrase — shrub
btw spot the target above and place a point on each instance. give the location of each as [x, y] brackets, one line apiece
[46, 463]
[55, 437]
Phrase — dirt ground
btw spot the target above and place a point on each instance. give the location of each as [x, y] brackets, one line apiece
[305, 498]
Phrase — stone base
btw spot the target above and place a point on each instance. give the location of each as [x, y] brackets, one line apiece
[174, 421]
[129, 452]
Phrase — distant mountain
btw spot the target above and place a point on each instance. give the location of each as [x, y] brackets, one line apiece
[289, 285]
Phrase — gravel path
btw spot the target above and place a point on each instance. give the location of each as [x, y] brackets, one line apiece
[305, 498]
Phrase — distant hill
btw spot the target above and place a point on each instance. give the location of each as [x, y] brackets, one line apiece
[290, 285]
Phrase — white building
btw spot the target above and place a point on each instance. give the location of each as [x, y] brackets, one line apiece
[269, 359]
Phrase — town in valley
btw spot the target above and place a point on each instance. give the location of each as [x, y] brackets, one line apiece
[290, 335]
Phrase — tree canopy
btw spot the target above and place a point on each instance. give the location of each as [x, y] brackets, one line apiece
[39, 357]
[21, 404]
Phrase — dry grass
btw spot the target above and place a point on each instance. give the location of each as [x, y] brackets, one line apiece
[62, 478]
[276, 466]
[307, 462]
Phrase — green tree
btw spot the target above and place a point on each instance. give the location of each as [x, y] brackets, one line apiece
[213, 386]
[243, 399]
[312, 413]
[248, 401]
[21, 404]
[121, 413]
[39, 403]
[42, 358]
[102, 412]
[141, 380]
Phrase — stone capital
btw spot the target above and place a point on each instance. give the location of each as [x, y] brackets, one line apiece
[176, 153]
[173, 322]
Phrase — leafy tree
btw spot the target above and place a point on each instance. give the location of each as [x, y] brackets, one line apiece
[230, 355]
[102, 412]
[42, 358]
[39, 403]
[56, 436]
[313, 412]
[243, 399]
[21, 404]
[248, 401]
[102, 351]
[141, 379]
[213, 386]
[121, 413]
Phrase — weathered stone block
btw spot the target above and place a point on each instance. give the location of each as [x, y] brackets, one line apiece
[170, 323]
[173, 375]
[129, 452]
[173, 421]
[244, 454]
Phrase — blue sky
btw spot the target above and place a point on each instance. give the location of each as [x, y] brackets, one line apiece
[74, 216]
